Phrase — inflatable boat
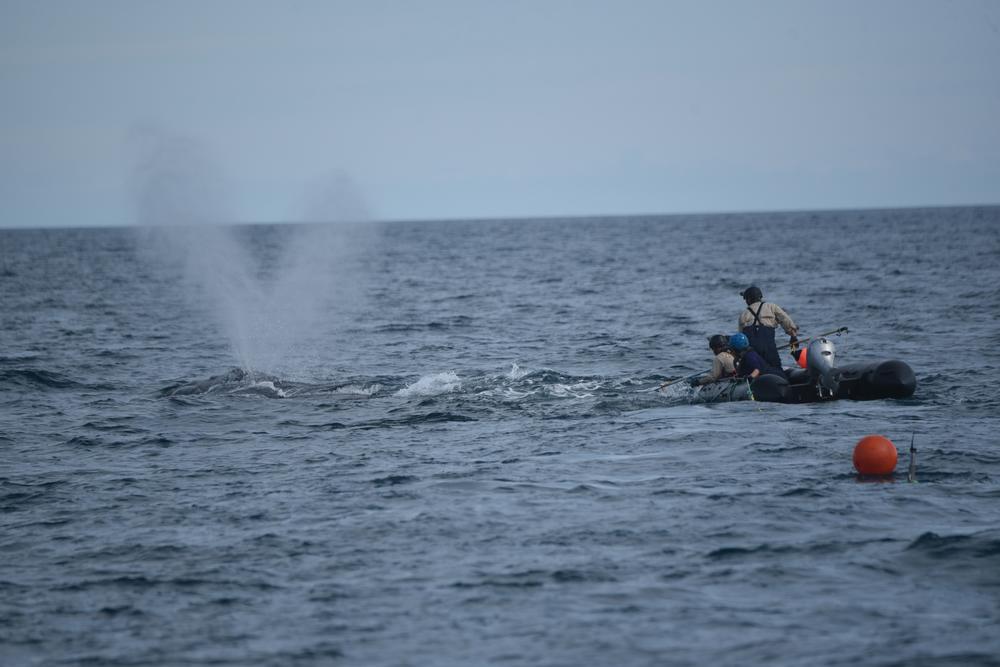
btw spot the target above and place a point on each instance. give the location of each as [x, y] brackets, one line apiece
[821, 380]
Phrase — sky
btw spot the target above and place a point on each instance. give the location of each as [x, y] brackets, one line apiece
[396, 110]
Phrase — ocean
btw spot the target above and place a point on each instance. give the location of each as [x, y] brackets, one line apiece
[442, 443]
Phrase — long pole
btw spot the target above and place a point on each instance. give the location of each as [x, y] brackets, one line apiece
[689, 377]
[835, 332]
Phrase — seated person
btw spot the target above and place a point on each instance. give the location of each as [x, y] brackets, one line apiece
[723, 363]
[749, 364]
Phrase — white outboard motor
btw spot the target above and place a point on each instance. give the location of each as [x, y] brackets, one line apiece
[820, 356]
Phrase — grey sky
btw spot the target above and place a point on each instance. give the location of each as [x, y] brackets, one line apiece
[483, 109]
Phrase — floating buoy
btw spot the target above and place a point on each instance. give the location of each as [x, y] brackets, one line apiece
[875, 455]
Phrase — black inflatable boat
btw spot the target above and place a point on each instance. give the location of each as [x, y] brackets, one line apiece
[819, 381]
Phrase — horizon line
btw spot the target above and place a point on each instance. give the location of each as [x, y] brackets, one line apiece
[516, 218]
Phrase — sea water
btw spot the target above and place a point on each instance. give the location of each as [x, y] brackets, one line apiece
[441, 443]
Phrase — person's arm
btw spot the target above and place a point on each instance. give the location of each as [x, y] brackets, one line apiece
[784, 320]
[752, 363]
[714, 374]
[728, 363]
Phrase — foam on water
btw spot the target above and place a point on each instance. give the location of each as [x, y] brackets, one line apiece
[516, 372]
[359, 390]
[432, 385]
[268, 388]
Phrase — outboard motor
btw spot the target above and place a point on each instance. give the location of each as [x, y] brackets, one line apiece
[820, 356]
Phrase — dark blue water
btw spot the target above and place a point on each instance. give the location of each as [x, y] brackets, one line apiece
[440, 443]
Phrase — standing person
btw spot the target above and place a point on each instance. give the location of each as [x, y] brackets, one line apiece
[723, 363]
[749, 364]
[759, 321]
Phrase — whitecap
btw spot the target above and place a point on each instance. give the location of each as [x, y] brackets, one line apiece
[516, 372]
[432, 385]
[358, 390]
[267, 388]
[579, 390]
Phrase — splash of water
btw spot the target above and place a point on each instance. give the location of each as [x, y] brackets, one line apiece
[516, 372]
[433, 385]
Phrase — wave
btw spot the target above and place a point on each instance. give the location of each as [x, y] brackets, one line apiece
[411, 420]
[394, 480]
[973, 558]
[18, 358]
[516, 373]
[536, 578]
[433, 385]
[36, 378]
[454, 322]
[357, 389]
[214, 383]
[985, 544]
[543, 390]
[236, 381]
[240, 382]
[265, 388]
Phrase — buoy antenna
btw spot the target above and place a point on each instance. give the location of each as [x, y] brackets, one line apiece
[911, 474]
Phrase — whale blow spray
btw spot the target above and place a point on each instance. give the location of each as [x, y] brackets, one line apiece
[267, 308]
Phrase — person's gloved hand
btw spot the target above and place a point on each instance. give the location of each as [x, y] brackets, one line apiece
[694, 382]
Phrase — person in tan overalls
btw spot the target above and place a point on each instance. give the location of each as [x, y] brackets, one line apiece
[759, 321]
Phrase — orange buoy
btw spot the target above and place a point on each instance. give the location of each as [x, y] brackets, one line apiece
[800, 358]
[875, 455]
